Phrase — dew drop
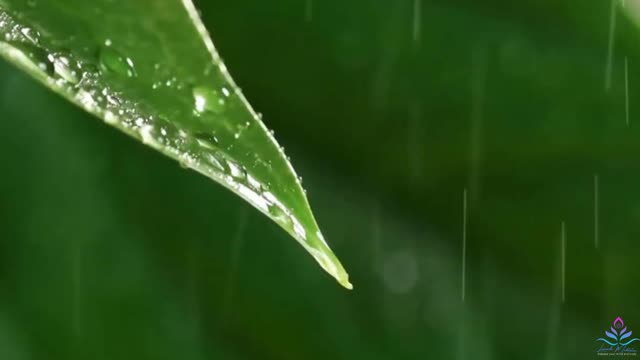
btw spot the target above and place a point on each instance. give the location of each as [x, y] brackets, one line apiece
[113, 61]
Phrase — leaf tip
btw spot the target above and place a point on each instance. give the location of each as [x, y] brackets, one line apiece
[345, 282]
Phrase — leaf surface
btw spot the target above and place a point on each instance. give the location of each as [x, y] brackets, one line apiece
[150, 69]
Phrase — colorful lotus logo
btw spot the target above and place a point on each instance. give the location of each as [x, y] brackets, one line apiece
[619, 336]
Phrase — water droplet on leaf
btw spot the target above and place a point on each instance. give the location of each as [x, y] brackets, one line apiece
[66, 68]
[207, 140]
[31, 35]
[113, 61]
[30, 55]
[207, 99]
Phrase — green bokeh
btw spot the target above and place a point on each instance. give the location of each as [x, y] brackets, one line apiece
[108, 250]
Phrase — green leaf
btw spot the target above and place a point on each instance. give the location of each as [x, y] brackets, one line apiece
[150, 69]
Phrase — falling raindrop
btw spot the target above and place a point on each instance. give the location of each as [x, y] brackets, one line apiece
[415, 144]
[376, 234]
[308, 10]
[626, 90]
[238, 244]
[416, 21]
[77, 287]
[563, 239]
[612, 30]
[479, 69]
[464, 244]
[596, 210]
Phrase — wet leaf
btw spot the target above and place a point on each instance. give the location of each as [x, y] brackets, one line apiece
[150, 69]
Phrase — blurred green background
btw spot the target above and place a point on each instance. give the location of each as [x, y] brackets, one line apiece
[391, 111]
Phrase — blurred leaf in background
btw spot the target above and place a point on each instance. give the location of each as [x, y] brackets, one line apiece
[392, 111]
